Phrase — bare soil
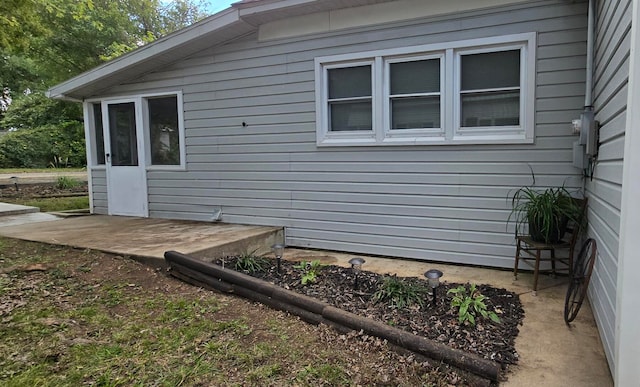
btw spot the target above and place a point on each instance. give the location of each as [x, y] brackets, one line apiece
[41, 190]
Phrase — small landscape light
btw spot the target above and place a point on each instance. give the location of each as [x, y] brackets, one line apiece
[278, 250]
[433, 276]
[356, 265]
[14, 180]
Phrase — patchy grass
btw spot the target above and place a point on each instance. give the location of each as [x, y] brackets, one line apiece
[75, 317]
[53, 204]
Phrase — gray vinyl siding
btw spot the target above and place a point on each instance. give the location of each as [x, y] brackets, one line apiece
[610, 101]
[99, 191]
[445, 203]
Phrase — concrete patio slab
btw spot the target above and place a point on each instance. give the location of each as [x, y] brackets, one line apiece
[7, 209]
[20, 219]
[148, 239]
[551, 354]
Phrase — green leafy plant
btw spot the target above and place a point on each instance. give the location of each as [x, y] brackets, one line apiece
[400, 293]
[310, 271]
[250, 263]
[470, 304]
[66, 182]
[546, 212]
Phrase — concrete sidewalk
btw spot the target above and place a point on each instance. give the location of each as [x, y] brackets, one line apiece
[551, 354]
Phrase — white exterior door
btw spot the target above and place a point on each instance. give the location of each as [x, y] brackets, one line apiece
[124, 151]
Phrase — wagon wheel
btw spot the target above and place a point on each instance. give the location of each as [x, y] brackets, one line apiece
[580, 276]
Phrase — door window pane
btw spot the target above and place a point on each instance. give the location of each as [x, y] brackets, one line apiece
[122, 134]
[164, 133]
[98, 133]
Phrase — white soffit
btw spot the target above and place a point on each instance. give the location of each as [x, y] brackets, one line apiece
[370, 14]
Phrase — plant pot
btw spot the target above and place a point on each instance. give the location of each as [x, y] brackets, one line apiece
[553, 235]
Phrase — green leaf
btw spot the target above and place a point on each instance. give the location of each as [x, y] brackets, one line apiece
[471, 319]
[494, 317]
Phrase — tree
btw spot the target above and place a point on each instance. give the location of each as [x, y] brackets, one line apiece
[43, 42]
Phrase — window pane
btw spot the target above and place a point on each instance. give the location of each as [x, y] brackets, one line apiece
[350, 82]
[422, 76]
[98, 133]
[491, 70]
[122, 134]
[491, 109]
[163, 131]
[415, 113]
[350, 116]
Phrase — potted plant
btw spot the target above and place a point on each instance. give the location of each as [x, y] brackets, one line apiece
[546, 212]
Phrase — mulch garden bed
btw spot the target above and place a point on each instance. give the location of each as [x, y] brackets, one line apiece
[41, 190]
[335, 286]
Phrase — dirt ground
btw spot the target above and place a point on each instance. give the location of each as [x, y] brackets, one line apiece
[54, 287]
[41, 190]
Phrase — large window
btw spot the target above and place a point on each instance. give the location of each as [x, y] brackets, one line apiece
[475, 91]
[164, 131]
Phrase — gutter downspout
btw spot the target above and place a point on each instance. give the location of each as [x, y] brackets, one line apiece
[588, 93]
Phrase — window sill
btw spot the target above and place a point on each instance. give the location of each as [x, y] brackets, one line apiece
[154, 168]
[430, 140]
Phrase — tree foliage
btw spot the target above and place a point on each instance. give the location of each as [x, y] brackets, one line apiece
[44, 42]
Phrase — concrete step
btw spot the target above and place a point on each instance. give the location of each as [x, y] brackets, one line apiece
[16, 209]
[248, 240]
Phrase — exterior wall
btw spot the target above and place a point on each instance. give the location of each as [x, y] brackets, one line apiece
[611, 74]
[447, 203]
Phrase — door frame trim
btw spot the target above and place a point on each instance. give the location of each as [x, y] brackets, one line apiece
[140, 143]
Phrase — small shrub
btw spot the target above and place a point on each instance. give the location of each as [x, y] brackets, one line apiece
[66, 182]
[310, 271]
[250, 263]
[400, 293]
[470, 304]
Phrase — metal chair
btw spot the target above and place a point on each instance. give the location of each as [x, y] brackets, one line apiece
[529, 250]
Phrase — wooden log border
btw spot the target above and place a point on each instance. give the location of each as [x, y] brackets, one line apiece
[198, 272]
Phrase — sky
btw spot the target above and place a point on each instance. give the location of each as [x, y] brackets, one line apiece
[218, 5]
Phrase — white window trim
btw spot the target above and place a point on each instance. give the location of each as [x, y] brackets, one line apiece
[147, 134]
[356, 137]
[140, 101]
[500, 132]
[449, 52]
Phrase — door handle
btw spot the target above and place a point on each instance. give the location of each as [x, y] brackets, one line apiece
[107, 155]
